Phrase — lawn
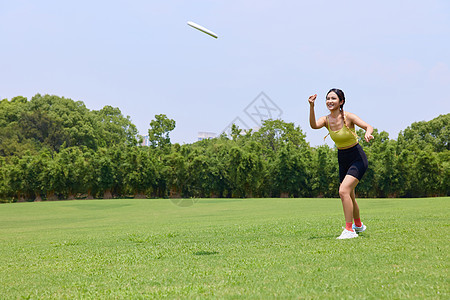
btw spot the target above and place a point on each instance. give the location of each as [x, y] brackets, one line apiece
[223, 248]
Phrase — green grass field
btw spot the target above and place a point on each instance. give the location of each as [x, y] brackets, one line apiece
[223, 248]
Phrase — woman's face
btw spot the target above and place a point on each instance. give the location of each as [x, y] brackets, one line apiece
[332, 101]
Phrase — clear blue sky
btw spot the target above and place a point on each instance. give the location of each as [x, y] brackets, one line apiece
[391, 58]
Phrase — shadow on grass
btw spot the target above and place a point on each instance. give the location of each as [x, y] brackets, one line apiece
[315, 237]
[206, 252]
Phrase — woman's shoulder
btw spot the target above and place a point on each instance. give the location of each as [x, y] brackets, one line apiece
[349, 115]
[351, 119]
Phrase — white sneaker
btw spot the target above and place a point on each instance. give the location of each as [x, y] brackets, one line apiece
[347, 234]
[359, 229]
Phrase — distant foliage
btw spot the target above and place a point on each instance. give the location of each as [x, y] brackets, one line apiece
[55, 148]
[54, 123]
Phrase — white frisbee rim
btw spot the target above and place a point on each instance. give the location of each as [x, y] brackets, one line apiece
[202, 29]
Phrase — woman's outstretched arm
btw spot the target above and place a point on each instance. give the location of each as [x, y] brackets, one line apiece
[360, 123]
[315, 124]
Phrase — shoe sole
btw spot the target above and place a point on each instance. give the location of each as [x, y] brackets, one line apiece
[361, 230]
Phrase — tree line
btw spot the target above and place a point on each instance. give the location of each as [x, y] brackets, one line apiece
[55, 148]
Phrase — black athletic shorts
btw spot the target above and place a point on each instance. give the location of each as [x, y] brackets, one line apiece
[352, 161]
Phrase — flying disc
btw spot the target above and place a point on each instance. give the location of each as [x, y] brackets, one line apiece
[202, 29]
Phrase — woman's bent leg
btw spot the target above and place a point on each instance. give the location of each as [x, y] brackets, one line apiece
[355, 205]
[345, 192]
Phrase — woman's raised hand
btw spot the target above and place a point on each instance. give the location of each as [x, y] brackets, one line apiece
[312, 98]
[368, 137]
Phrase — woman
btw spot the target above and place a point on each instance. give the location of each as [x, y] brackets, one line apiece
[351, 157]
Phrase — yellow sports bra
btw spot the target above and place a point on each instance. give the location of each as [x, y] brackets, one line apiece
[344, 137]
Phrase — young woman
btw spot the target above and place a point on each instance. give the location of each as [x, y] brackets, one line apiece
[351, 157]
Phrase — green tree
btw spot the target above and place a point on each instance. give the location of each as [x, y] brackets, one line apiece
[115, 128]
[17, 179]
[369, 186]
[324, 180]
[426, 174]
[217, 153]
[118, 156]
[387, 170]
[43, 129]
[76, 125]
[23, 176]
[56, 122]
[159, 131]
[174, 169]
[290, 172]
[435, 133]
[274, 133]
[382, 178]
[103, 172]
[444, 162]
[68, 174]
[200, 179]
[141, 174]
[12, 141]
[245, 171]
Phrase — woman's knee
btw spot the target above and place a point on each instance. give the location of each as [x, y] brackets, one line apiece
[344, 191]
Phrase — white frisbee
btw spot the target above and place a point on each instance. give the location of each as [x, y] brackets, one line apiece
[202, 29]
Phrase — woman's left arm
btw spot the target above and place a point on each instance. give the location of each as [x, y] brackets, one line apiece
[360, 123]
